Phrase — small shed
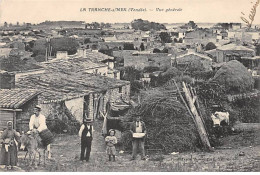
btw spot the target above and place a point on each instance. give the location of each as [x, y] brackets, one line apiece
[17, 105]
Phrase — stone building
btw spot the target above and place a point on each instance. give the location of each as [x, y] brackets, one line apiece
[78, 93]
[194, 58]
[233, 52]
[17, 105]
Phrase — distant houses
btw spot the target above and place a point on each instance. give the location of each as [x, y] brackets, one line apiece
[141, 60]
[232, 52]
[194, 59]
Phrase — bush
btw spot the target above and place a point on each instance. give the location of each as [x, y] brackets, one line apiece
[247, 110]
[128, 46]
[60, 126]
[39, 47]
[151, 69]
[210, 46]
[155, 50]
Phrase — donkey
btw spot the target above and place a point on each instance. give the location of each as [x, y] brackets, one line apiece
[32, 142]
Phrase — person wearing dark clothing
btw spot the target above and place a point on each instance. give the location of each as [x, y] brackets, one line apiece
[86, 135]
[8, 154]
[138, 126]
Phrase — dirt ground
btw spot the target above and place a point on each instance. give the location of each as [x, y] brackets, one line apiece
[66, 151]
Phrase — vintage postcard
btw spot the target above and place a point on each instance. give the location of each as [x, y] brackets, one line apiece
[129, 85]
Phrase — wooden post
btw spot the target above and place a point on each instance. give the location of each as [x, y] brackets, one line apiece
[185, 104]
[14, 120]
[198, 120]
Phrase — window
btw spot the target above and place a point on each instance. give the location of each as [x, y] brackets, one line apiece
[120, 89]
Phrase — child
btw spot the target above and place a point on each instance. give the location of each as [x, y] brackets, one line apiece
[111, 141]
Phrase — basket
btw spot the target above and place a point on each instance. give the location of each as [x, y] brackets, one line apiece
[138, 135]
[46, 136]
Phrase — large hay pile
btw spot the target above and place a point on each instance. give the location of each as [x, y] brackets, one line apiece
[235, 77]
[169, 126]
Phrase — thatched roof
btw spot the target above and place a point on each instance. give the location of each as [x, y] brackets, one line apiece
[234, 76]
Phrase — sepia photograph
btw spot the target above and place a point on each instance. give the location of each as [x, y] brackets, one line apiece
[129, 86]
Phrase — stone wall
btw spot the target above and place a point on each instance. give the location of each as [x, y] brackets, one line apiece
[222, 54]
[142, 61]
[23, 117]
[76, 107]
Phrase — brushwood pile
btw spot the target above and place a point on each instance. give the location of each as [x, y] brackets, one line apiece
[169, 126]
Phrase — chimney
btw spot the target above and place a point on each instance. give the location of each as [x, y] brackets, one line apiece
[7, 80]
[81, 52]
[62, 54]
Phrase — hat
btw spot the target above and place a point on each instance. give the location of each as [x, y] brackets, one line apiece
[111, 130]
[10, 122]
[38, 107]
[87, 120]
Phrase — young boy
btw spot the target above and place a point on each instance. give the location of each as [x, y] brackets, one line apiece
[111, 141]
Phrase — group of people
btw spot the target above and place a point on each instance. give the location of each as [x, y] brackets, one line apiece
[86, 135]
[11, 137]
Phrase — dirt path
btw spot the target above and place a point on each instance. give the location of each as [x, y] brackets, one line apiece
[66, 151]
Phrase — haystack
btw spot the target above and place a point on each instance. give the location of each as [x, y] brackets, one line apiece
[235, 77]
[169, 126]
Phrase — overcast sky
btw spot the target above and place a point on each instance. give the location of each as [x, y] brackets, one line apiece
[36, 11]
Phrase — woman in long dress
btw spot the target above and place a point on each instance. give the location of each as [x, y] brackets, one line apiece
[8, 154]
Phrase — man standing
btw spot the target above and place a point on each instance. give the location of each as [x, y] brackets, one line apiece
[86, 135]
[138, 126]
[38, 122]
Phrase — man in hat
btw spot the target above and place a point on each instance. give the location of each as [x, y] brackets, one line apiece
[138, 126]
[38, 122]
[86, 135]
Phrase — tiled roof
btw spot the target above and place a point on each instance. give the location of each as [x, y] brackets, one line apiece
[197, 54]
[97, 56]
[14, 98]
[73, 64]
[59, 86]
[234, 47]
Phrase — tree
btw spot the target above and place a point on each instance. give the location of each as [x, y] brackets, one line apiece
[210, 46]
[142, 46]
[107, 25]
[102, 25]
[87, 40]
[144, 25]
[155, 50]
[257, 49]
[64, 44]
[128, 46]
[192, 24]
[39, 47]
[165, 37]
[165, 50]
[95, 25]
